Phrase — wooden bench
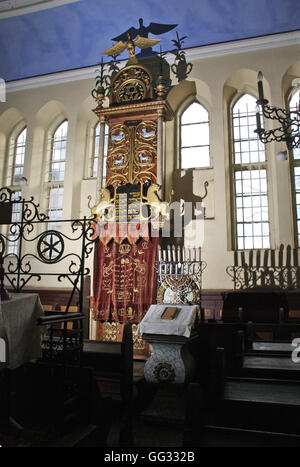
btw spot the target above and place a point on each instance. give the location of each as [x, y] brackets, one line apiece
[262, 314]
[259, 306]
[112, 361]
[63, 337]
[63, 384]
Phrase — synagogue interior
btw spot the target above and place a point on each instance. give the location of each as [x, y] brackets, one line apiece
[149, 224]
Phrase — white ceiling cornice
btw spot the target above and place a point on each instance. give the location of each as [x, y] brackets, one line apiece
[245, 45]
[196, 53]
[9, 8]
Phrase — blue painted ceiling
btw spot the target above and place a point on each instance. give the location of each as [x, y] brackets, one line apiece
[74, 35]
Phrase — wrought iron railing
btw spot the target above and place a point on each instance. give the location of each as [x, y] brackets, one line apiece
[43, 252]
[31, 249]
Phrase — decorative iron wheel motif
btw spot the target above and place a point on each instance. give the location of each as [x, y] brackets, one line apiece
[50, 246]
[164, 372]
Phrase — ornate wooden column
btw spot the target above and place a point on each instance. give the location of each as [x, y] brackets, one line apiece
[135, 142]
[100, 158]
[160, 146]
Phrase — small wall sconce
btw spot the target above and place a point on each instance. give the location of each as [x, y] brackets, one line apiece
[289, 121]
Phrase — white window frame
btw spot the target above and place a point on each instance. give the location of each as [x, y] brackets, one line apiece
[251, 168]
[13, 246]
[49, 184]
[204, 122]
[11, 155]
[295, 167]
[93, 154]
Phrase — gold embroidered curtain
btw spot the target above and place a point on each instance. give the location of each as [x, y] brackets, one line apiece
[125, 279]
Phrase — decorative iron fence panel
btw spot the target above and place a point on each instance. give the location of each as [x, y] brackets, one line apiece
[30, 248]
[266, 268]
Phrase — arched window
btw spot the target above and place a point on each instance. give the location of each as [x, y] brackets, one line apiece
[194, 137]
[16, 157]
[15, 173]
[294, 105]
[249, 179]
[55, 174]
[94, 160]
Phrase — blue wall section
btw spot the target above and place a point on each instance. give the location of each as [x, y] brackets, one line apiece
[74, 35]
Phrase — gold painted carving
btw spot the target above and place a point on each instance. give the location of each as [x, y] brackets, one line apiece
[105, 203]
[131, 90]
[111, 331]
[145, 152]
[132, 153]
[138, 342]
[131, 84]
[158, 207]
[118, 155]
[159, 107]
[130, 45]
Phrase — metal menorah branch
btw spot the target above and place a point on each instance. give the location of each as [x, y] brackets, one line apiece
[180, 270]
[178, 274]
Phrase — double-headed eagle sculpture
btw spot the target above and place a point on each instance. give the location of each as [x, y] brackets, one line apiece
[126, 39]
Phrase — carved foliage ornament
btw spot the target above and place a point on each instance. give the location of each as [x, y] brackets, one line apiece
[131, 84]
[132, 153]
[164, 372]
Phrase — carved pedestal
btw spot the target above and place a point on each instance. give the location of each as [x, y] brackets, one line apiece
[170, 362]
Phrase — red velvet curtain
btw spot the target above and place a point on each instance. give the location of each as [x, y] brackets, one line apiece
[125, 278]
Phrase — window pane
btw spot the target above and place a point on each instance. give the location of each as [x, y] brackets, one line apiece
[195, 135]
[55, 205]
[295, 109]
[195, 113]
[297, 196]
[294, 106]
[17, 169]
[13, 231]
[58, 153]
[250, 184]
[95, 154]
[194, 132]
[195, 157]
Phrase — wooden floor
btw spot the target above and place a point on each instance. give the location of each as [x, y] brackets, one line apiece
[249, 414]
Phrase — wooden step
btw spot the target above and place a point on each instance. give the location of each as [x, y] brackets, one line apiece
[260, 404]
[216, 436]
[277, 347]
[263, 390]
[270, 366]
[271, 362]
